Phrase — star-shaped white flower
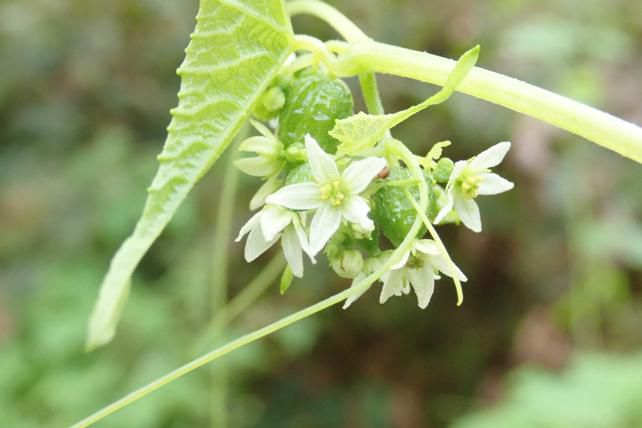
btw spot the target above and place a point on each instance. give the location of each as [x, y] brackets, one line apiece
[418, 268]
[270, 224]
[470, 179]
[334, 195]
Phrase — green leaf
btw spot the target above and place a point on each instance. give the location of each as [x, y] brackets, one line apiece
[235, 51]
[362, 131]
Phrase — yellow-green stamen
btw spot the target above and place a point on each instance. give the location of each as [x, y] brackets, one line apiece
[470, 185]
[333, 193]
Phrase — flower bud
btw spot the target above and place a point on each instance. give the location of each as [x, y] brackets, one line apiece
[296, 153]
[273, 99]
[270, 104]
[348, 264]
[442, 171]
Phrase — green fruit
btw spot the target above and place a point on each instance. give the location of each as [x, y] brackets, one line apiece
[393, 212]
[312, 105]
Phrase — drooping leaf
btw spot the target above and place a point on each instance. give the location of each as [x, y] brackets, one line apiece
[235, 51]
[362, 131]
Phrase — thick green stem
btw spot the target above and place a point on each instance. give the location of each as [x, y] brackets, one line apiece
[366, 55]
[602, 128]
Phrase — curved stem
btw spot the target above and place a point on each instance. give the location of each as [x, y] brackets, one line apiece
[602, 128]
[370, 90]
[411, 162]
[440, 243]
[357, 289]
[346, 28]
[244, 299]
[366, 55]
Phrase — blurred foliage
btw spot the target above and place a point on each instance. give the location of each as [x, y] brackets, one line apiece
[85, 91]
[597, 391]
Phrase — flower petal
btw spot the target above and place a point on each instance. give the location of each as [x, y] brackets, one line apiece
[324, 170]
[350, 300]
[457, 171]
[300, 196]
[423, 282]
[292, 251]
[446, 209]
[427, 246]
[355, 209]
[442, 264]
[492, 184]
[324, 224]
[393, 282]
[303, 239]
[264, 130]
[257, 166]
[468, 213]
[262, 146]
[269, 187]
[490, 157]
[248, 226]
[402, 261]
[256, 244]
[360, 173]
[273, 220]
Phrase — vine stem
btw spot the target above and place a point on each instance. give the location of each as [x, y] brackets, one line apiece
[365, 55]
[355, 290]
[246, 297]
[344, 26]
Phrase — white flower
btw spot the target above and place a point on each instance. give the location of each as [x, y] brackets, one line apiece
[269, 150]
[334, 196]
[470, 179]
[270, 224]
[418, 269]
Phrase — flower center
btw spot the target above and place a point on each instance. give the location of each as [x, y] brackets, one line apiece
[334, 193]
[415, 262]
[470, 185]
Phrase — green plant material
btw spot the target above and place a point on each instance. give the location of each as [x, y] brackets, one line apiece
[436, 151]
[596, 391]
[580, 119]
[236, 50]
[270, 104]
[313, 104]
[391, 209]
[362, 131]
[442, 170]
[299, 174]
[286, 279]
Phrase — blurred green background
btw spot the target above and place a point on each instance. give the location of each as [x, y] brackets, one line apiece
[549, 334]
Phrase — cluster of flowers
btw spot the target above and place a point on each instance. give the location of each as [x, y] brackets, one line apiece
[330, 207]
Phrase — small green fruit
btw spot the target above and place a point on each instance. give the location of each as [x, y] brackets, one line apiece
[393, 212]
[312, 105]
